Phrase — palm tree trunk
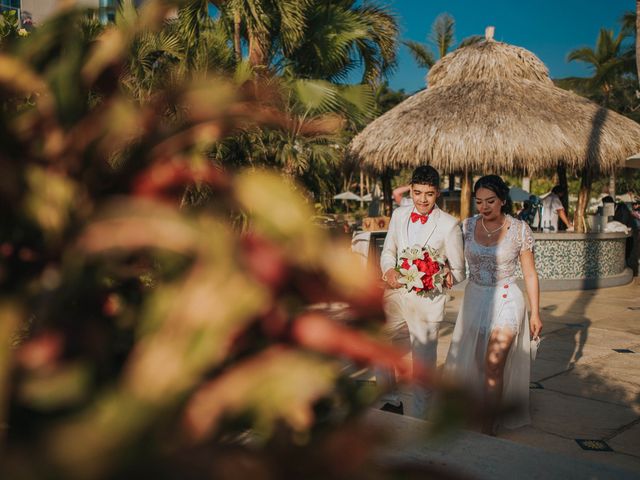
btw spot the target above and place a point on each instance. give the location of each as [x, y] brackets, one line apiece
[466, 194]
[257, 50]
[361, 189]
[612, 185]
[579, 220]
[638, 38]
[386, 193]
[237, 46]
[562, 181]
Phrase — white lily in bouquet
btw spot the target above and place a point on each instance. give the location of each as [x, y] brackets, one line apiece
[422, 270]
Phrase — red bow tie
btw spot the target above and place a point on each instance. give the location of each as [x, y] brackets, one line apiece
[416, 216]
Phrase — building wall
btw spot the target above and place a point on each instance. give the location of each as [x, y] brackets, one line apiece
[39, 10]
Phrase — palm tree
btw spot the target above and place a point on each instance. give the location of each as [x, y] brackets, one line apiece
[314, 38]
[608, 61]
[304, 152]
[442, 36]
[265, 24]
[190, 43]
[630, 22]
[341, 36]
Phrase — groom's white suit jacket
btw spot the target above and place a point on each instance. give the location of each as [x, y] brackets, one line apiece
[442, 233]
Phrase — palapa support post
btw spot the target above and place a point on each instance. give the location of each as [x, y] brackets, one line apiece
[579, 220]
[562, 181]
[612, 185]
[465, 194]
[386, 192]
[361, 189]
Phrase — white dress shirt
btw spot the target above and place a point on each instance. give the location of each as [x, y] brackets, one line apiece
[416, 230]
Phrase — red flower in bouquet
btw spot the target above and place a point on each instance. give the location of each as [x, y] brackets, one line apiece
[421, 270]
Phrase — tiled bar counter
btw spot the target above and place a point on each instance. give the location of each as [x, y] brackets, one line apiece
[580, 261]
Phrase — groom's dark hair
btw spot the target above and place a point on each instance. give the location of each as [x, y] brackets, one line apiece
[426, 175]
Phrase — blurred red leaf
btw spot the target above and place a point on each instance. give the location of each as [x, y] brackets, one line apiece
[265, 260]
[317, 332]
[167, 179]
[279, 383]
[40, 351]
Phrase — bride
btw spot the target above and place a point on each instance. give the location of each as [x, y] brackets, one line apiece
[490, 345]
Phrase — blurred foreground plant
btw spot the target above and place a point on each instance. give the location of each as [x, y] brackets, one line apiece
[137, 337]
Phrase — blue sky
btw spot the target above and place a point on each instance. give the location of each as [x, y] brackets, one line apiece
[548, 28]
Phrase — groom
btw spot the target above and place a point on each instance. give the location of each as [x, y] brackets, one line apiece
[424, 224]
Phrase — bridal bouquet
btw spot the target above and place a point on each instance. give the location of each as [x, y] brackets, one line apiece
[421, 270]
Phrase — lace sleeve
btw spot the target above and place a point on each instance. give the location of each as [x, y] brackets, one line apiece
[466, 228]
[527, 242]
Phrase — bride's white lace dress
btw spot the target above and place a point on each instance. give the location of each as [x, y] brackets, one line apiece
[493, 300]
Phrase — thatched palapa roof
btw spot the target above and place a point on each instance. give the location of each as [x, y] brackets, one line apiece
[492, 107]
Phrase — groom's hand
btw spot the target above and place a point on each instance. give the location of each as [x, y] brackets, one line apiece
[448, 276]
[391, 278]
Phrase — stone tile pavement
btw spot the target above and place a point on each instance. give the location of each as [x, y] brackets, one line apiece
[583, 388]
[588, 390]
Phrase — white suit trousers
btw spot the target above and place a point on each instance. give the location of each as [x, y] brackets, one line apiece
[412, 321]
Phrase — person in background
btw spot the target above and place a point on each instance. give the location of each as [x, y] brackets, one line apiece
[623, 215]
[552, 210]
[528, 212]
[399, 197]
[635, 211]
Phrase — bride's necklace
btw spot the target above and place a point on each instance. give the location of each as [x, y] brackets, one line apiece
[490, 233]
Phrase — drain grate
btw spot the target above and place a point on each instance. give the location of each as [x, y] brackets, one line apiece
[593, 445]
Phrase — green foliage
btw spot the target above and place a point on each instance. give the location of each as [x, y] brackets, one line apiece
[139, 336]
[614, 81]
[386, 98]
[9, 26]
[317, 39]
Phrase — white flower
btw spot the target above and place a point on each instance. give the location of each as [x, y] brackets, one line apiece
[435, 255]
[411, 278]
[413, 253]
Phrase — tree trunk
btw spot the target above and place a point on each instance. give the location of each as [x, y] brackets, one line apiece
[466, 194]
[579, 218]
[257, 50]
[386, 192]
[612, 185]
[237, 45]
[562, 181]
[638, 38]
[361, 189]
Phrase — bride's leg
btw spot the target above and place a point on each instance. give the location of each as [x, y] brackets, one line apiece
[496, 357]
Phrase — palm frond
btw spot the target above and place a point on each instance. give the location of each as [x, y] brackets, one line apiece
[584, 54]
[421, 53]
[443, 33]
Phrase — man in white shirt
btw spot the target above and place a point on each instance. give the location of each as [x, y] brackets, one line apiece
[552, 210]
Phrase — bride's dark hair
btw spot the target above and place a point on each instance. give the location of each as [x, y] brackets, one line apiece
[497, 186]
